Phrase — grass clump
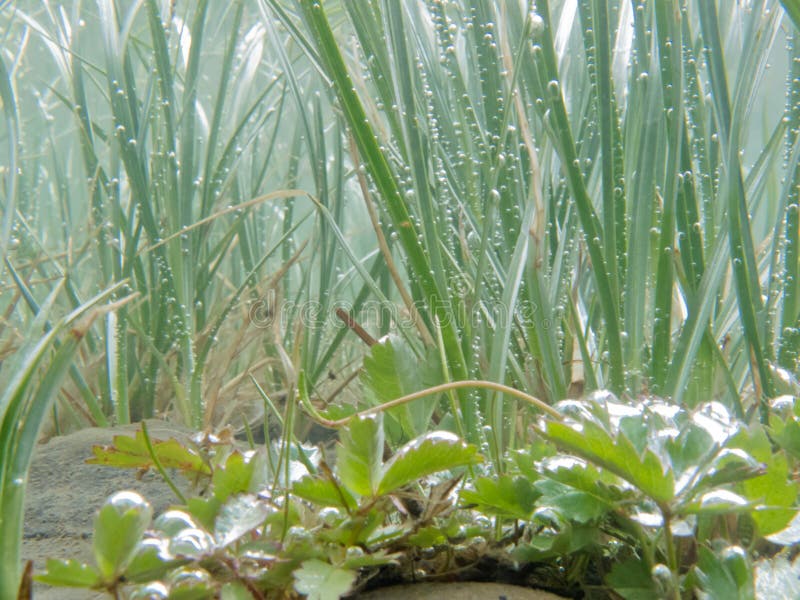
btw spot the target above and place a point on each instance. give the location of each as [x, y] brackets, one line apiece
[561, 197]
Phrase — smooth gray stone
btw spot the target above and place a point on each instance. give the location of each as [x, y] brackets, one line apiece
[64, 494]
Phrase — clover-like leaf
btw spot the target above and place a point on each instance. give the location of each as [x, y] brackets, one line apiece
[324, 492]
[725, 575]
[429, 453]
[319, 580]
[505, 496]
[118, 529]
[360, 455]
[69, 573]
[240, 515]
[616, 454]
[632, 580]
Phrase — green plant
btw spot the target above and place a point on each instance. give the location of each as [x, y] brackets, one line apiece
[151, 160]
[561, 215]
[561, 198]
[273, 518]
[670, 484]
[38, 371]
[652, 500]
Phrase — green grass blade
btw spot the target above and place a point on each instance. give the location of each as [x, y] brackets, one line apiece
[552, 97]
[23, 405]
[744, 267]
[669, 49]
[8, 99]
[389, 190]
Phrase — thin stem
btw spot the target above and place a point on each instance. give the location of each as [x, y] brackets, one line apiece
[162, 471]
[672, 556]
[236, 208]
[453, 385]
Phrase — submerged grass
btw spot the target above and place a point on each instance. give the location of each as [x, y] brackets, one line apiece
[561, 197]
[600, 146]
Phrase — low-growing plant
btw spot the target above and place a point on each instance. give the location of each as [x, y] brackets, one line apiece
[39, 369]
[562, 198]
[638, 500]
[272, 519]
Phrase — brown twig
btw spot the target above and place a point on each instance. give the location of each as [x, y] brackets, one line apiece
[355, 327]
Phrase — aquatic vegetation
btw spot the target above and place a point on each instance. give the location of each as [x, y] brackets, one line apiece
[558, 235]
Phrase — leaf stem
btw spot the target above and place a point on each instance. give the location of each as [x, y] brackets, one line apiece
[672, 556]
[162, 471]
[453, 385]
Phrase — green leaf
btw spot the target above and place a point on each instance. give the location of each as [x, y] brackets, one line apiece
[354, 529]
[204, 509]
[792, 8]
[118, 529]
[240, 515]
[573, 504]
[323, 492]
[730, 466]
[600, 485]
[689, 448]
[774, 490]
[428, 537]
[234, 477]
[571, 538]
[790, 535]
[131, 452]
[358, 559]
[190, 584]
[391, 370]
[617, 455]
[786, 434]
[429, 453]
[725, 575]
[506, 496]
[147, 563]
[360, 455]
[235, 591]
[319, 580]
[69, 573]
[632, 580]
[718, 502]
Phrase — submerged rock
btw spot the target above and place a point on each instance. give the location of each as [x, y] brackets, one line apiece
[64, 494]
